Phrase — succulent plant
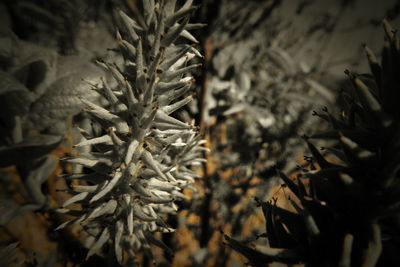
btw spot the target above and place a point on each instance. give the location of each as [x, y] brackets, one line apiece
[348, 215]
[142, 159]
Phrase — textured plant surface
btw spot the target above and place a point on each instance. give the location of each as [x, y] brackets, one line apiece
[142, 156]
[345, 210]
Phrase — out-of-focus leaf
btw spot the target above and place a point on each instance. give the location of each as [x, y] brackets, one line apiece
[375, 68]
[9, 209]
[6, 60]
[321, 89]
[31, 74]
[31, 148]
[255, 257]
[37, 177]
[15, 98]
[35, 66]
[9, 84]
[282, 59]
[258, 258]
[234, 109]
[369, 102]
[8, 256]
[61, 99]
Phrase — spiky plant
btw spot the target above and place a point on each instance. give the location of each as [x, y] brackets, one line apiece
[142, 158]
[349, 215]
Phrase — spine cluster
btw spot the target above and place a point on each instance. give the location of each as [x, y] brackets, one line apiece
[143, 157]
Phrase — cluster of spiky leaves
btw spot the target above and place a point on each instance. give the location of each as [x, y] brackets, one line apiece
[349, 214]
[142, 160]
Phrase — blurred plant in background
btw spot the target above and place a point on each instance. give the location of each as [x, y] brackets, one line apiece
[39, 88]
[256, 102]
[345, 211]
